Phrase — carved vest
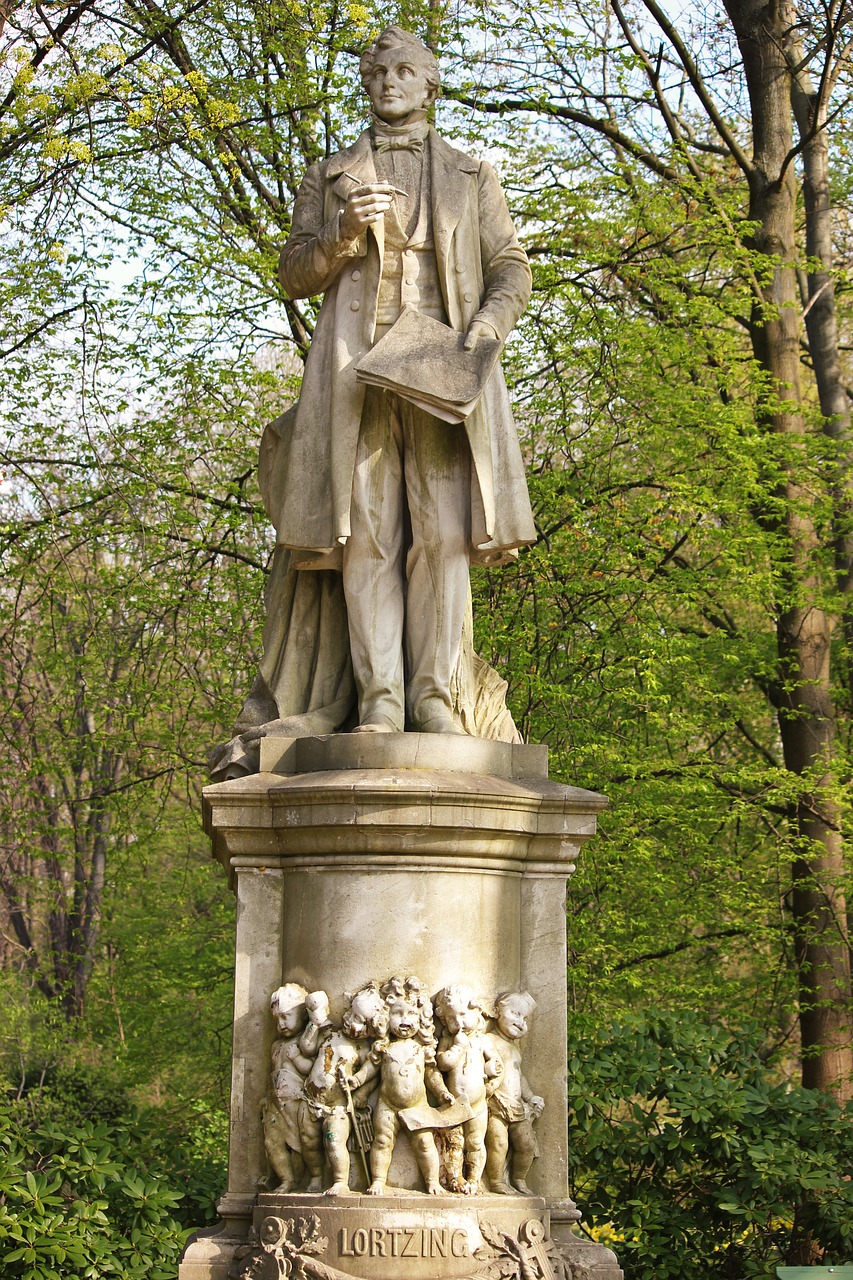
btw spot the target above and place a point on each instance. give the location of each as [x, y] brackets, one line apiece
[409, 269]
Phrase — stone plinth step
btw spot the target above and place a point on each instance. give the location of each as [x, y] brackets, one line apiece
[450, 753]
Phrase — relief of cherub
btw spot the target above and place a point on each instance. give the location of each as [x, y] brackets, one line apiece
[513, 1107]
[324, 1124]
[404, 1059]
[290, 1061]
[472, 1067]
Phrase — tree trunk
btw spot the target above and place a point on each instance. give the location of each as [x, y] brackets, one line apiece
[803, 691]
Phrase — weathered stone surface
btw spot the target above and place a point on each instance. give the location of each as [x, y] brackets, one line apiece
[444, 752]
[404, 1235]
[587, 1259]
[209, 1253]
[349, 875]
[411, 816]
[400, 895]
[410, 500]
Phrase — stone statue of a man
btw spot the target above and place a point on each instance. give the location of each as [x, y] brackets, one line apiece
[402, 219]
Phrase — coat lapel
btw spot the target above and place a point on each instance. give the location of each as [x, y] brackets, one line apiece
[452, 173]
[357, 160]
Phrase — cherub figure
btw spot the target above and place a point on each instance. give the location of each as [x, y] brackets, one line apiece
[470, 1064]
[412, 991]
[324, 1123]
[290, 1061]
[513, 1107]
[404, 1059]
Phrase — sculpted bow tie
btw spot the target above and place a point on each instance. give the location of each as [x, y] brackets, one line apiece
[397, 142]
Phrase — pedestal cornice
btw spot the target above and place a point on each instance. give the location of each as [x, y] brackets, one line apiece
[426, 816]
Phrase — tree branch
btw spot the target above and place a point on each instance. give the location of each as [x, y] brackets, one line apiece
[557, 112]
[668, 28]
[676, 948]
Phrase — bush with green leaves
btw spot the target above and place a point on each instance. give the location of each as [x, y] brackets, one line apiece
[95, 1198]
[691, 1157]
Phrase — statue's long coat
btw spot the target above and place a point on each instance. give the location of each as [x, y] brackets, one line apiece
[483, 272]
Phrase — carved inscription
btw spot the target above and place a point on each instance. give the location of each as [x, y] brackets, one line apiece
[403, 1242]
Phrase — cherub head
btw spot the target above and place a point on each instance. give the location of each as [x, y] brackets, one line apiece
[366, 1014]
[411, 992]
[403, 1020]
[287, 1005]
[459, 1009]
[512, 1012]
[317, 1008]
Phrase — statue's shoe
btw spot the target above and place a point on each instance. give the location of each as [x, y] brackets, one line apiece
[441, 724]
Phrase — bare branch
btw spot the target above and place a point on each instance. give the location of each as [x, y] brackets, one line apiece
[698, 84]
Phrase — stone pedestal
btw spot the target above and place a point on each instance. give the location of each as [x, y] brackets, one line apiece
[356, 857]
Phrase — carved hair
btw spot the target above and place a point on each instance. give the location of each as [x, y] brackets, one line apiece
[376, 1015]
[457, 998]
[397, 38]
[287, 997]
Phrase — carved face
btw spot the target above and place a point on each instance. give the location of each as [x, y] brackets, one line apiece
[397, 85]
[290, 1020]
[461, 1017]
[512, 1019]
[403, 1020]
[359, 1019]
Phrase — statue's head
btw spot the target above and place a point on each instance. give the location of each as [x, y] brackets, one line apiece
[399, 74]
[459, 1009]
[512, 1013]
[287, 1005]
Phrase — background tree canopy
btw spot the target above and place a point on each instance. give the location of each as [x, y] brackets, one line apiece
[680, 635]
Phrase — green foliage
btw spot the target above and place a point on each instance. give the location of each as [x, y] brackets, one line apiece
[149, 165]
[90, 1181]
[89, 1199]
[75, 1095]
[638, 635]
[691, 1157]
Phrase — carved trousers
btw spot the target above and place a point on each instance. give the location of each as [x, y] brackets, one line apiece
[406, 560]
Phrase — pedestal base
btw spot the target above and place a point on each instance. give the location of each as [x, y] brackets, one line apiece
[359, 857]
[403, 1237]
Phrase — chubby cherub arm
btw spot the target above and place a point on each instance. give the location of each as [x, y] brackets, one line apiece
[367, 1072]
[493, 1063]
[435, 1083]
[303, 1056]
[451, 1049]
[309, 1041]
[532, 1099]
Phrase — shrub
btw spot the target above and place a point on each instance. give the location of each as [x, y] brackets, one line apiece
[690, 1159]
[100, 1198]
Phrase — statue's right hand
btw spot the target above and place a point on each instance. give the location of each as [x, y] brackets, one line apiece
[366, 204]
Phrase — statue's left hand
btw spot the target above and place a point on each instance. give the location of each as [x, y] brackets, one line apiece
[477, 331]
